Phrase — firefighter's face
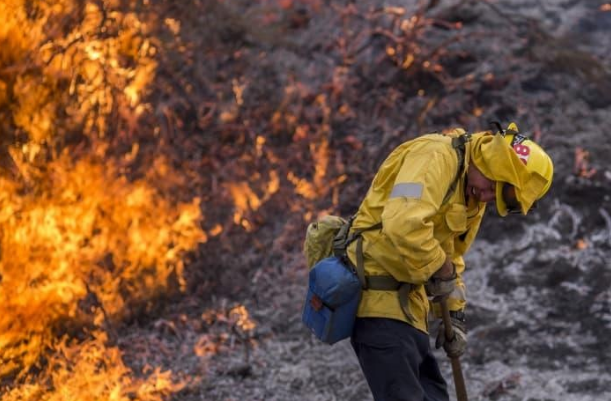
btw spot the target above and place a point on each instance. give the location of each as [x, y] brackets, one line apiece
[479, 188]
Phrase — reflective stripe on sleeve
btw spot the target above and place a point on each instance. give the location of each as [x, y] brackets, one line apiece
[408, 190]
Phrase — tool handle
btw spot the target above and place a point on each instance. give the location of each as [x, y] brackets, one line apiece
[459, 380]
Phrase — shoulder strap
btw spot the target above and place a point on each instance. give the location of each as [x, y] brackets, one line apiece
[344, 238]
[459, 145]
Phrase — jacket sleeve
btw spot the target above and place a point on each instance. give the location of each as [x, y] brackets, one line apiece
[407, 218]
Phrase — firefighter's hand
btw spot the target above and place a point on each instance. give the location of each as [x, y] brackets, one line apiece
[456, 346]
[443, 281]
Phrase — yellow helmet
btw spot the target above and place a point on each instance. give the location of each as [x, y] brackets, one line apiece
[536, 161]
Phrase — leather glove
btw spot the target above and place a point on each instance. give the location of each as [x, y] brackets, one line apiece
[457, 345]
[439, 287]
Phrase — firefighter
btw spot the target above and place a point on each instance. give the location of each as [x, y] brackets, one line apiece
[430, 195]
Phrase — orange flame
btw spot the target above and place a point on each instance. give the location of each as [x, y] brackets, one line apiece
[80, 242]
[313, 189]
[242, 320]
[85, 230]
[93, 371]
[246, 200]
[91, 62]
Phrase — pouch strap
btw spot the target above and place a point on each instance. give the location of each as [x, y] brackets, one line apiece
[459, 145]
[360, 264]
[404, 291]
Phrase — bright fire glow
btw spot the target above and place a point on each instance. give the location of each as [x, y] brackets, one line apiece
[79, 242]
[311, 189]
[246, 200]
[85, 231]
[92, 62]
[92, 371]
[82, 245]
[240, 315]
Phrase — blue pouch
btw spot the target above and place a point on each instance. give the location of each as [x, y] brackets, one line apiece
[334, 292]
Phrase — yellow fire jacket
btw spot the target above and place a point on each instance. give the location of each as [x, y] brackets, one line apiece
[418, 228]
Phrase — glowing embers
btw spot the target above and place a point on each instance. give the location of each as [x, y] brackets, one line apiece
[225, 326]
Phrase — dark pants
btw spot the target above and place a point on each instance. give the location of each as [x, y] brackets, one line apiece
[397, 361]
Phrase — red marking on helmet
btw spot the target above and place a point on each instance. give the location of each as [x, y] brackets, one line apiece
[522, 151]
